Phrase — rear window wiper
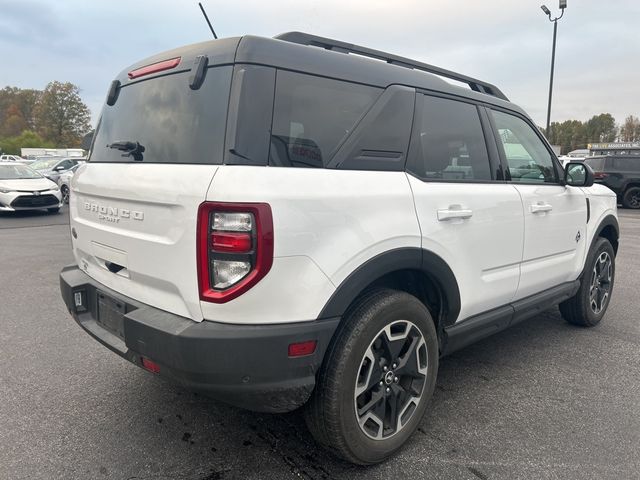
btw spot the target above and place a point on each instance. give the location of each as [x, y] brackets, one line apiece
[132, 149]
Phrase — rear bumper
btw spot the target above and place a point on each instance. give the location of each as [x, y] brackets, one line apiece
[246, 366]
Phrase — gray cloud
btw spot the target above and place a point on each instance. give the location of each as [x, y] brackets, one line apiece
[504, 42]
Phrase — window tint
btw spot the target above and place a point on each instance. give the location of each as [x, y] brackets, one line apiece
[448, 142]
[528, 158]
[596, 164]
[172, 122]
[311, 117]
[627, 164]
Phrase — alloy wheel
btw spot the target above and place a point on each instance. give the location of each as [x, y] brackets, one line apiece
[600, 283]
[391, 380]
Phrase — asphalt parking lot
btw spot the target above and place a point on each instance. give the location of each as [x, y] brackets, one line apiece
[541, 400]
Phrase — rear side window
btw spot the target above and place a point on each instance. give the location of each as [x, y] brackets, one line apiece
[627, 164]
[312, 116]
[173, 123]
[448, 142]
[528, 159]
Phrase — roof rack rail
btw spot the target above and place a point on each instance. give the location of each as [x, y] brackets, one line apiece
[343, 47]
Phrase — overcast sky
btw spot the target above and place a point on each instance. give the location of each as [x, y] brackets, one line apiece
[505, 42]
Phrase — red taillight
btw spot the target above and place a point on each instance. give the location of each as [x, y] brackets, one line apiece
[150, 365]
[302, 348]
[154, 68]
[235, 248]
[600, 175]
[231, 242]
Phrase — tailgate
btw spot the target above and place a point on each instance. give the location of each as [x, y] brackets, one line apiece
[134, 205]
[135, 229]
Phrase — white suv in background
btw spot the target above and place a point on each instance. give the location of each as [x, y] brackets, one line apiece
[284, 222]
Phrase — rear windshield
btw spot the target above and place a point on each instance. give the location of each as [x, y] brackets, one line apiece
[597, 164]
[173, 123]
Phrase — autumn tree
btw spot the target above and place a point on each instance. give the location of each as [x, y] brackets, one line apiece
[14, 122]
[601, 128]
[630, 129]
[61, 116]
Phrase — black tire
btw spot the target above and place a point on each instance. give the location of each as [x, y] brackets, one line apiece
[597, 279]
[53, 210]
[65, 193]
[631, 198]
[332, 412]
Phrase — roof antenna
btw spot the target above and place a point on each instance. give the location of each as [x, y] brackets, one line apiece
[208, 22]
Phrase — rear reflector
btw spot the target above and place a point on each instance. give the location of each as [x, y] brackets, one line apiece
[231, 242]
[154, 68]
[303, 348]
[600, 175]
[147, 364]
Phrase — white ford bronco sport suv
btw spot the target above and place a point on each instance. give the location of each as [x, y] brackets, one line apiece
[301, 221]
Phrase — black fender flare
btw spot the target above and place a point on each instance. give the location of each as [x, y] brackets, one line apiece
[607, 221]
[407, 258]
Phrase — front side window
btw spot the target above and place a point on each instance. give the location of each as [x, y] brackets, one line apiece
[448, 142]
[312, 116]
[528, 159]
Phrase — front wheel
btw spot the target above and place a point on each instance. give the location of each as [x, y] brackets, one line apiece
[377, 378]
[64, 190]
[631, 198]
[587, 307]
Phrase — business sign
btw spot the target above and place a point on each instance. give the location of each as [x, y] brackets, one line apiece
[612, 146]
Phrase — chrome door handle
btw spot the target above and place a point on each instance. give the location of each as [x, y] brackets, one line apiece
[454, 211]
[540, 207]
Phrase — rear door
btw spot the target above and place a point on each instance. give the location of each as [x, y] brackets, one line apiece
[468, 216]
[133, 213]
[555, 215]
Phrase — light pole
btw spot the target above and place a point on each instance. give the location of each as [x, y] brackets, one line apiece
[547, 12]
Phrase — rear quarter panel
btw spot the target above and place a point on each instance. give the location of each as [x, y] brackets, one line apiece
[326, 224]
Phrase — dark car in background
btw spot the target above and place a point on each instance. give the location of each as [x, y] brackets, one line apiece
[621, 173]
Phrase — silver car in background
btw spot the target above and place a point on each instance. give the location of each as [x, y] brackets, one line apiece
[52, 168]
[63, 182]
[22, 188]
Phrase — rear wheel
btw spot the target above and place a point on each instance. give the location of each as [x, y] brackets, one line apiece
[587, 307]
[377, 378]
[631, 198]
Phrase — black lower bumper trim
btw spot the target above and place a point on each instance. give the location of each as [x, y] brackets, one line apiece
[244, 365]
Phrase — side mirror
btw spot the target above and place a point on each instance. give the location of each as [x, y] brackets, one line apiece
[578, 174]
[59, 168]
